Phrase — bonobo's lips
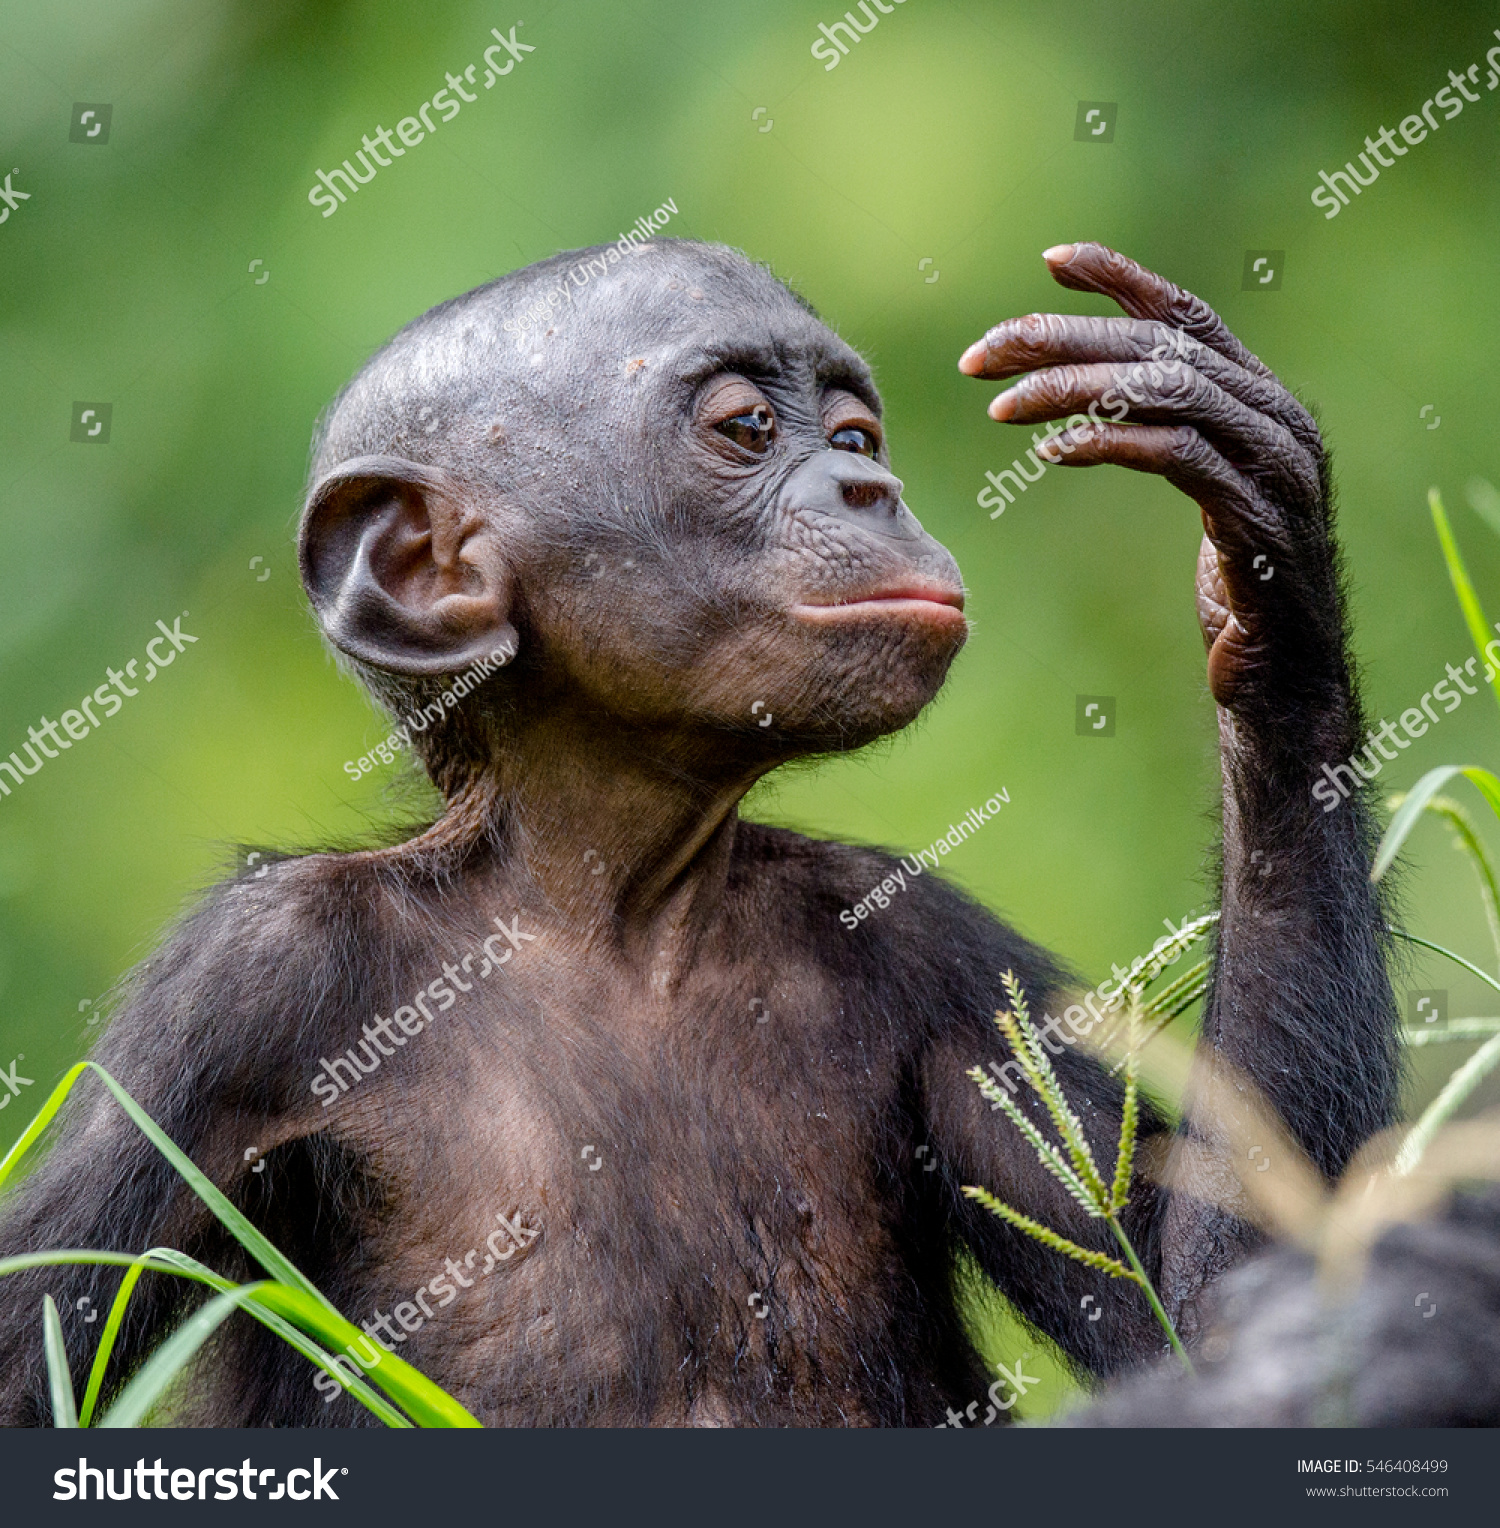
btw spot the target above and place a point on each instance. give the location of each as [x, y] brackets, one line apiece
[936, 604]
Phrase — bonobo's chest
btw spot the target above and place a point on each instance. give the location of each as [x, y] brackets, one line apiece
[629, 1208]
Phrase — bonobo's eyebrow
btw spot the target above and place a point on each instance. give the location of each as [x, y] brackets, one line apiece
[763, 361]
[749, 357]
[853, 379]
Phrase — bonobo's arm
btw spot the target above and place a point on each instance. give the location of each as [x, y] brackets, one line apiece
[1300, 1001]
[211, 1042]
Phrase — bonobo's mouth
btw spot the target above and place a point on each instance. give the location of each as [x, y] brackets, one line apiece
[934, 603]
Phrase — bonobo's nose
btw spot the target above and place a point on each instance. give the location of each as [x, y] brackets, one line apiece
[854, 488]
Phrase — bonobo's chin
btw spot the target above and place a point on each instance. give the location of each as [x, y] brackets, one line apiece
[878, 663]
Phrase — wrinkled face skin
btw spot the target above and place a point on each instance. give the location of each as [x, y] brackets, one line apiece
[746, 539]
[673, 497]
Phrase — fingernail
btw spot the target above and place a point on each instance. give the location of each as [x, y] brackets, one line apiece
[971, 362]
[1059, 254]
[1004, 406]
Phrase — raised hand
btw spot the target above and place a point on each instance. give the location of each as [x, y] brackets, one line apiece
[1300, 1001]
[1184, 398]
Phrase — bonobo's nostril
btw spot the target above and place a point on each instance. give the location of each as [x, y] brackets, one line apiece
[867, 494]
[853, 488]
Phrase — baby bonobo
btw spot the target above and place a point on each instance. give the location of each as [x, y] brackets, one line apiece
[584, 1100]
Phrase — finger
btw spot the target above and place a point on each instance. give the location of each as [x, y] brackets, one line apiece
[1089, 267]
[1267, 449]
[1023, 344]
[1038, 340]
[1176, 452]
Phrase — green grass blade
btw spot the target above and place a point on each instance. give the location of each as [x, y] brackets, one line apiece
[430, 1399]
[1453, 1031]
[168, 1260]
[108, 1335]
[1467, 840]
[64, 1408]
[429, 1405]
[172, 1357]
[1480, 631]
[1414, 803]
[180, 1262]
[257, 1245]
[42, 1120]
[61, 1257]
[1457, 959]
[275, 1262]
[1448, 1102]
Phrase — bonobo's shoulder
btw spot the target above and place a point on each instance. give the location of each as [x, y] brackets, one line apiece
[864, 912]
[294, 914]
[262, 965]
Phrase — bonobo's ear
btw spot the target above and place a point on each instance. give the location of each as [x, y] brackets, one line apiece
[403, 569]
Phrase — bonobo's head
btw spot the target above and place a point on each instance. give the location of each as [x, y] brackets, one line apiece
[662, 483]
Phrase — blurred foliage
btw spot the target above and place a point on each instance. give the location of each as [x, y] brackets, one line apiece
[945, 136]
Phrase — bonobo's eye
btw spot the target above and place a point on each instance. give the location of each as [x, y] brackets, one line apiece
[753, 431]
[849, 423]
[730, 407]
[851, 438]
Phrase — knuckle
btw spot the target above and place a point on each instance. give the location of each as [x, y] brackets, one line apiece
[1192, 313]
[1186, 388]
[1028, 337]
[1034, 338]
[1188, 449]
[1045, 389]
[1157, 339]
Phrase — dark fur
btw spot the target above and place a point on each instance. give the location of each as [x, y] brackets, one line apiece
[778, 1161]
[720, 1179]
[1416, 1343]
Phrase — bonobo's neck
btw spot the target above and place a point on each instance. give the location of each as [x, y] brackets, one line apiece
[625, 834]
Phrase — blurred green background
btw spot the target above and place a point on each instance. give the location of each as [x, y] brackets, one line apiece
[908, 193]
